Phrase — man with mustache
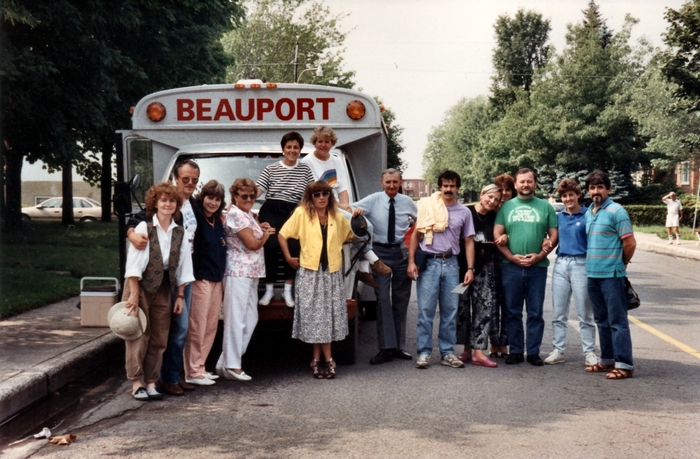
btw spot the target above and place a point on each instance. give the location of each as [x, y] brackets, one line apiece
[443, 221]
[611, 245]
[526, 221]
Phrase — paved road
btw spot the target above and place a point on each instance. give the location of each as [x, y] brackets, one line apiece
[396, 411]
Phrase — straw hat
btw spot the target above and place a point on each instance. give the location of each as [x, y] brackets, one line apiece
[124, 326]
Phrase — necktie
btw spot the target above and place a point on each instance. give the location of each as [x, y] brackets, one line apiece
[392, 222]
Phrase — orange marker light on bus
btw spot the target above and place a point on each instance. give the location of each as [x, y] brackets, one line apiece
[356, 110]
[155, 111]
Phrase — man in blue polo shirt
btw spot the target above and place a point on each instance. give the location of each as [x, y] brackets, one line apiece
[611, 245]
[569, 276]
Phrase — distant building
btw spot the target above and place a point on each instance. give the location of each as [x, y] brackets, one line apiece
[687, 176]
[39, 185]
[417, 188]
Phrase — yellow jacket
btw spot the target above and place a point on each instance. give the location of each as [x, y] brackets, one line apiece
[432, 216]
[308, 231]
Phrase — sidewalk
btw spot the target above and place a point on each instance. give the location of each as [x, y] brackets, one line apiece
[43, 350]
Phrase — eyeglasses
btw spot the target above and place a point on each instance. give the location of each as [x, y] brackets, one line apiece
[187, 180]
[318, 194]
[246, 197]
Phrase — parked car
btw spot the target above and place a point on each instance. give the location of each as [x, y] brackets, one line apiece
[84, 209]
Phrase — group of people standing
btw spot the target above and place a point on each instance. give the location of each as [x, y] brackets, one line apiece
[186, 262]
[480, 263]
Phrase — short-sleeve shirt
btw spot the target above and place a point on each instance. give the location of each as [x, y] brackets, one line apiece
[459, 226]
[285, 183]
[673, 207]
[606, 229]
[526, 222]
[330, 171]
[241, 262]
[572, 233]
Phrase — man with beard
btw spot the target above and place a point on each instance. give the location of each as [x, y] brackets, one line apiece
[611, 245]
[443, 222]
[526, 221]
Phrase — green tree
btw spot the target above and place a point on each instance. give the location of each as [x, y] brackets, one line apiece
[73, 67]
[521, 49]
[279, 39]
[394, 142]
[682, 66]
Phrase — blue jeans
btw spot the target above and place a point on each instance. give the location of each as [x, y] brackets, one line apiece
[524, 285]
[610, 311]
[569, 278]
[435, 284]
[172, 357]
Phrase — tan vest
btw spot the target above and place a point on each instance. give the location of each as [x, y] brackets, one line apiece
[153, 275]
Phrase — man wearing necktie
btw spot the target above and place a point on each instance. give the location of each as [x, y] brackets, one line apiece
[389, 212]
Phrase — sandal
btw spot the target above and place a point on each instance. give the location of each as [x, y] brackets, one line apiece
[619, 373]
[330, 371]
[598, 368]
[317, 370]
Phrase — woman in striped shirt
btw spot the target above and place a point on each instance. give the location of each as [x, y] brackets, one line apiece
[284, 183]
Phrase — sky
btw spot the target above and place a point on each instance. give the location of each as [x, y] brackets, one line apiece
[421, 57]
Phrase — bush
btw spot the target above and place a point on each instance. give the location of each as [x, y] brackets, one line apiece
[656, 215]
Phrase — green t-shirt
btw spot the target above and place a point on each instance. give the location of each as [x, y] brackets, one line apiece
[527, 223]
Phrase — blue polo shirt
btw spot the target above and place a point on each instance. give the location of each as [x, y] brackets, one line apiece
[606, 229]
[572, 233]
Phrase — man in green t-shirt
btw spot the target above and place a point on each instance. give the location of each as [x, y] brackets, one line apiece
[522, 225]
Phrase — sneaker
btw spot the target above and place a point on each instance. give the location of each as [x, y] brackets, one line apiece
[140, 394]
[423, 361]
[555, 357]
[591, 359]
[678, 242]
[265, 300]
[380, 268]
[153, 394]
[451, 360]
[288, 299]
[670, 241]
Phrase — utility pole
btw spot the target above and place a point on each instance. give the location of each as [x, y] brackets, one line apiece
[296, 60]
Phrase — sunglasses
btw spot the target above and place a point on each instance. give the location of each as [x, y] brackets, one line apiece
[318, 194]
[187, 180]
[246, 197]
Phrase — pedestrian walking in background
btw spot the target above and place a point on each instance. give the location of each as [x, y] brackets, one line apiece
[674, 214]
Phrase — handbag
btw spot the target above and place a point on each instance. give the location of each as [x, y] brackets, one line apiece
[421, 259]
[633, 301]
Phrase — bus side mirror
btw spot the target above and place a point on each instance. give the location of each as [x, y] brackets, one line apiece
[122, 198]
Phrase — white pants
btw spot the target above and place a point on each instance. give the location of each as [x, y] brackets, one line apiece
[240, 317]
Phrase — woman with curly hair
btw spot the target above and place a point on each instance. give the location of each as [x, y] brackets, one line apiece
[245, 265]
[209, 263]
[320, 315]
[151, 277]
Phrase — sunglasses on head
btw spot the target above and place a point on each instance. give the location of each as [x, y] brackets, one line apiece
[318, 194]
[187, 180]
[246, 197]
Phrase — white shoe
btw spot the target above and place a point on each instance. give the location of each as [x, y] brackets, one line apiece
[555, 357]
[670, 241]
[204, 381]
[451, 360]
[678, 242]
[591, 359]
[230, 374]
[219, 371]
[211, 376]
[423, 361]
[265, 300]
[288, 299]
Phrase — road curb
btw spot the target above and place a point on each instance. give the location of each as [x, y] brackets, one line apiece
[27, 387]
[669, 249]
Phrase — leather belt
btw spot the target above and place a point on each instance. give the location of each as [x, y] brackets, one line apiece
[387, 246]
[443, 256]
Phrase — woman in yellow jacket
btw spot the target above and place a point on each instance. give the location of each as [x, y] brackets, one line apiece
[320, 315]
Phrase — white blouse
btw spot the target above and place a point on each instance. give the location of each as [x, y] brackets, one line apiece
[137, 260]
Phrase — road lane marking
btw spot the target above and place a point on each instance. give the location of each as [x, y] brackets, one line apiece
[683, 347]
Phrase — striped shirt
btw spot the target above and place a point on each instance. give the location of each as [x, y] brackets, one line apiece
[606, 229]
[285, 183]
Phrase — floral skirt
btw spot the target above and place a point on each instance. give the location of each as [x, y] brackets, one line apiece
[320, 314]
